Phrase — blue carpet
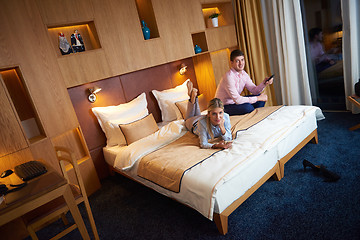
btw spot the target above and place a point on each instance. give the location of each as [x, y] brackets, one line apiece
[300, 206]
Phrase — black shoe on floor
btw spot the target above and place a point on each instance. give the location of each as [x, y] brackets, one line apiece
[328, 175]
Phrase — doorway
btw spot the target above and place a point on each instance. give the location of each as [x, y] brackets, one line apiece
[323, 39]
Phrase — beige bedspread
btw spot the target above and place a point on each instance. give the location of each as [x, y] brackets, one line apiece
[167, 165]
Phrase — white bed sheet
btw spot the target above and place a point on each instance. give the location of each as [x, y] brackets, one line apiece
[288, 126]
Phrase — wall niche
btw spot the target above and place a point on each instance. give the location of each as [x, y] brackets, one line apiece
[88, 33]
[22, 103]
[146, 14]
[224, 8]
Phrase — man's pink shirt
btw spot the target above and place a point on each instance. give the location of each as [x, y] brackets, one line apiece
[231, 86]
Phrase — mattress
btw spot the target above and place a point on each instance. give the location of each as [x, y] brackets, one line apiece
[258, 152]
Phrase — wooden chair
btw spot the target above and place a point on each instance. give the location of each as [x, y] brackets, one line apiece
[56, 209]
[353, 100]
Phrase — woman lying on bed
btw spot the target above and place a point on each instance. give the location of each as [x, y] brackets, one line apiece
[215, 124]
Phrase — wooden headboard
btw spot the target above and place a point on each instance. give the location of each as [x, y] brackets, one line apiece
[122, 89]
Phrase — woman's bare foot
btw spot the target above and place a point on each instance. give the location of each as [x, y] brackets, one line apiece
[193, 95]
[189, 85]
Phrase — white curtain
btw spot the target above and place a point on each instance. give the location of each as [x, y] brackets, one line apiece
[287, 52]
[351, 48]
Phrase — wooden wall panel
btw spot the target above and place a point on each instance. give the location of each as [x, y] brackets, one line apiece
[173, 28]
[38, 66]
[84, 67]
[221, 37]
[121, 37]
[6, 55]
[205, 75]
[56, 12]
[221, 63]
[153, 52]
[193, 16]
[14, 159]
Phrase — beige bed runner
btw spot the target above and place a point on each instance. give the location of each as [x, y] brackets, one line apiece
[167, 165]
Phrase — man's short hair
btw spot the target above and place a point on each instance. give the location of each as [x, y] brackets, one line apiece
[235, 53]
[313, 32]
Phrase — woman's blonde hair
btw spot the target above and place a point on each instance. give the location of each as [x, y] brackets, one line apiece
[214, 103]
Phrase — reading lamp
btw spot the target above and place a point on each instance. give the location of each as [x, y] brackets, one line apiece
[182, 69]
[93, 91]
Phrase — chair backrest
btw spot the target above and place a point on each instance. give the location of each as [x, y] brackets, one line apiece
[354, 100]
[65, 156]
[357, 88]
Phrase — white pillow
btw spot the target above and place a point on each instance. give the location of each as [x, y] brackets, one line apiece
[110, 117]
[168, 97]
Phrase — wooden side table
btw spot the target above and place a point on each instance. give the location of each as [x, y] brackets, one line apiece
[354, 99]
[38, 192]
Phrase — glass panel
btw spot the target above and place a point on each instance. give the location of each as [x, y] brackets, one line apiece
[323, 38]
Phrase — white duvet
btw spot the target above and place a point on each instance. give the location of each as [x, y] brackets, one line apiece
[201, 183]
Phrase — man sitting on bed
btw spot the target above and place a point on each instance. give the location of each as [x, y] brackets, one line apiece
[234, 82]
[214, 125]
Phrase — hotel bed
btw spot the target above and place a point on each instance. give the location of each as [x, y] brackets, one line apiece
[220, 182]
[213, 185]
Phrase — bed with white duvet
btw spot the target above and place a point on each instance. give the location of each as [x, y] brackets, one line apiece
[217, 186]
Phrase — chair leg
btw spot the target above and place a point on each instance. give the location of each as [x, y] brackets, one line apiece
[63, 233]
[64, 219]
[354, 127]
[32, 233]
[91, 219]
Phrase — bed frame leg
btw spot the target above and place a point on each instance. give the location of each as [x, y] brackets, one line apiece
[282, 169]
[277, 175]
[315, 139]
[111, 171]
[221, 222]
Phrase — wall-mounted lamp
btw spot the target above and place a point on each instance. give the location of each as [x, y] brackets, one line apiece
[93, 91]
[182, 69]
